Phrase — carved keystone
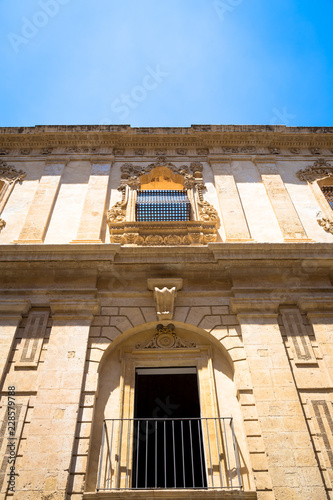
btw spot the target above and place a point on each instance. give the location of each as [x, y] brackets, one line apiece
[165, 292]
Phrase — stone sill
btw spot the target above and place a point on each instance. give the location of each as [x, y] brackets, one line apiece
[172, 494]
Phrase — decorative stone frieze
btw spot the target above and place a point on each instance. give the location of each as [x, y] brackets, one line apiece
[320, 169]
[166, 338]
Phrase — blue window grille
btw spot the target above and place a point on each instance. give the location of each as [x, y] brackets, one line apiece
[162, 205]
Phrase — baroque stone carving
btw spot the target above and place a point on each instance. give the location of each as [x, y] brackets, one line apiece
[118, 151]
[315, 151]
[25, 151]
[274, 150]
[202, 151]
[247, 149]
[295, 151]
[75, 149]
[227, 149]
[2, 224]
[118, 212]
[326, 224]
[10, 174]
[166, 338]
[139, 152]
[46, 151]
[4, 152]
[181, 151]
[161, 151]
[320, 169]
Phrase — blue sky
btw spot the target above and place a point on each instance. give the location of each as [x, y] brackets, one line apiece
[166, 62]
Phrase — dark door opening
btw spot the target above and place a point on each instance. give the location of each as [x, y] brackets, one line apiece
[168, 447]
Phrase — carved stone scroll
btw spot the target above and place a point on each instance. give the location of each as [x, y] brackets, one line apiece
[166, 338]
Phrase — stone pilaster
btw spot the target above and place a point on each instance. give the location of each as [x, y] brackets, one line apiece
[292, 466]
[287, 217]
[234, 220]
[40, 211]
[94, 204]
[10, 317]
[46, 461]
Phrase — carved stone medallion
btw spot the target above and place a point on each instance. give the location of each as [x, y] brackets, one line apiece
[166, 338]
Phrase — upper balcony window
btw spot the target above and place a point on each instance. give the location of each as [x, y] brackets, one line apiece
[162, 205]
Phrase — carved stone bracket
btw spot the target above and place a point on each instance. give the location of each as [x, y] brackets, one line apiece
[2, 224]
[320, 169]
[166, 338]
[165, 292]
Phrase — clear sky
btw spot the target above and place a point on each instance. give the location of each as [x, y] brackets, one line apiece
[166, 62]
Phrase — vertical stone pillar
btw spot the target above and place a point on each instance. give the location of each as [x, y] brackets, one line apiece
[46, 461]
[10, 317]
[234, 220]
[287, 217]
[94, 204]
[292, 465]
[40, 211]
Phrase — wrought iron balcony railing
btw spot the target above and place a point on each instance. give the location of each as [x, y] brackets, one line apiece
[192, 453]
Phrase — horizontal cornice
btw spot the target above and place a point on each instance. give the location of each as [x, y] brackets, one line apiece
[110, 139]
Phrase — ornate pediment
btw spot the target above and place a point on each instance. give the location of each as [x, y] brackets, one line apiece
[9, 173]
[130, 174]
[320, 169]
[166, 338]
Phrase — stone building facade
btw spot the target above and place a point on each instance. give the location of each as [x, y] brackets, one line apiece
[220, 320]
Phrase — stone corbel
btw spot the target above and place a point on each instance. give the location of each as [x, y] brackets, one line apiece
[165, 292]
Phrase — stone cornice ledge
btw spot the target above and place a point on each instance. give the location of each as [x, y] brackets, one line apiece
[273, 251]
[62, 252]
[253, 306]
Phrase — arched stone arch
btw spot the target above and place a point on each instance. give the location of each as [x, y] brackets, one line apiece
[191, 347]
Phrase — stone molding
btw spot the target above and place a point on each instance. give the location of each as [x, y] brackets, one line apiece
[166, 338]
[250, 306]
[14, 307]
[82, 309]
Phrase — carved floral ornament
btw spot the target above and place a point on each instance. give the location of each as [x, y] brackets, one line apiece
[319, 170]
[166, 338]
[125, 230]
[2, 224]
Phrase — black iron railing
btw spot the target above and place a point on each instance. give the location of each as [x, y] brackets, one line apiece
[143, 453]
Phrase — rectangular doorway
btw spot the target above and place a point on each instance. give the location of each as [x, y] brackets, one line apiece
[168, 449]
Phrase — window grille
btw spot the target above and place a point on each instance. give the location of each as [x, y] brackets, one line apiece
[328, 193]
[162, 205]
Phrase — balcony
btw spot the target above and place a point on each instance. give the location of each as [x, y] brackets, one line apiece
[183, 454]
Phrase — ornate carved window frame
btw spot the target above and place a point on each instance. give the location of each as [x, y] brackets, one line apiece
[317, 175]
[8, 178]
[200, 230]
